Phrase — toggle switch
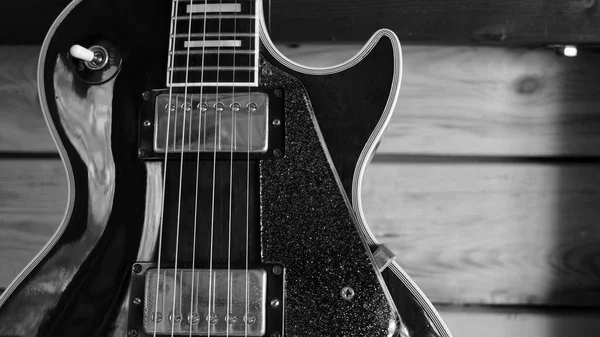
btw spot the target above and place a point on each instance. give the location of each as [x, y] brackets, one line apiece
[82, 53]
[95, 58]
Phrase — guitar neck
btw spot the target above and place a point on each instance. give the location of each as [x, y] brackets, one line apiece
[213, 43]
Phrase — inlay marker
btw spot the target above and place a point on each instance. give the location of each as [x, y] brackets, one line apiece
[214, 8]
[213, 44]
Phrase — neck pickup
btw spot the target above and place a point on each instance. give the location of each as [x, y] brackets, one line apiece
[238, 123]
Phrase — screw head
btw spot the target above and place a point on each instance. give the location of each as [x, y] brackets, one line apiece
[137, 268]
[267, 71]
[275, 334]
[137, 301]
[278, 93]
[132, 332]
[275, 303]
[277, 270]
[347, 293]
[277, 153]
[146, 95]
[147, 123]
[143, 153]
[276, 122]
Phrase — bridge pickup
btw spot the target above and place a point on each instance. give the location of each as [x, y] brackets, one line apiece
[235, 122]
[201, 302]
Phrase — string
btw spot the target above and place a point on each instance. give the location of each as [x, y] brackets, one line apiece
[233, 134]
[162, 202]
[249, 129]
[184, 107]
[217, 135]
[200, 108]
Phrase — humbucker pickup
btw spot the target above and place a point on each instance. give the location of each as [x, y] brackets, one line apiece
[201, 302]
[224, 123]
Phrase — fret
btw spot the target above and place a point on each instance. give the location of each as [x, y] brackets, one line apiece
[217, 49]
[215, 17]
[216, 26]
[211, 68]
[214, 51]
[210, 35]
[212, 78]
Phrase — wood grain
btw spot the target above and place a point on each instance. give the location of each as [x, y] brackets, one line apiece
[23, 128]
[499, 322]
[453, 101]
[445, 21]
[488, 233]
[33, 196]
[493, 233]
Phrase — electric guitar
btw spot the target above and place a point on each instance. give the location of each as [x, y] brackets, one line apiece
[214, 185]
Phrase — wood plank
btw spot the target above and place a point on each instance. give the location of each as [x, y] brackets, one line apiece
[500, 322]
[487, 101]
[492, 233]
[33, 195]
[454, 101]
[23, 127]
[448, 21]
[488, 233]
[451, 21]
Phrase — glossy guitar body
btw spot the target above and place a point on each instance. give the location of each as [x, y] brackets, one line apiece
[300, 211]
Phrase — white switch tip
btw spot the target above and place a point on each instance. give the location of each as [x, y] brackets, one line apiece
[82, 53]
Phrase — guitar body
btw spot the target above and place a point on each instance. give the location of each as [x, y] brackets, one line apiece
[296, 214]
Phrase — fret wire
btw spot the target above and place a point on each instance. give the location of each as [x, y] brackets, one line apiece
[182, 35]
[211, 68]
[211, 17]
[213, 51]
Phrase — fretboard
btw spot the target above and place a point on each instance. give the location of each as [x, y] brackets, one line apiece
[213, 43]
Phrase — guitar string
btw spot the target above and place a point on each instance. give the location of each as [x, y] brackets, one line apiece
[172, 316]
[229, 315]
[165, 164]
[217, 135]
[249, 146]
[200, 108]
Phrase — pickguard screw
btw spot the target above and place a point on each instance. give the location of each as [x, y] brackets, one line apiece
[277, 270]
[347, 293]
[143, 153]
[278, 93]
[267, 71]
[275, 334]
[275, 303]
[277, 153]
[137, 301]
[147, 123]
[137, 268]
[276, 122]
[132, 332]
[146, 95]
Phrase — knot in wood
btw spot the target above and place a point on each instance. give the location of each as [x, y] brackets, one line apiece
[528, 85]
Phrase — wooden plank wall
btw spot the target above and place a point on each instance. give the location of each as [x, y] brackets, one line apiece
[486, 185]
[523, 22]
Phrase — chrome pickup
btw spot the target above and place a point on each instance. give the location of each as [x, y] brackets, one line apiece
[203, 304]
[228, 123]
[225, 123]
